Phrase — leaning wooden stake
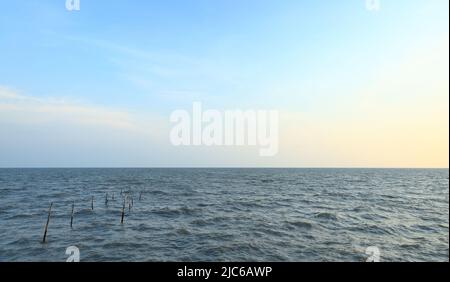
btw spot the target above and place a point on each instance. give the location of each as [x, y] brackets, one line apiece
[71, 216]
[92, 203]
[123, 212]
[106, 199]
[46, 225]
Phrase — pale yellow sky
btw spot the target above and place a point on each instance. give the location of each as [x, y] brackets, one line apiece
[401, 120]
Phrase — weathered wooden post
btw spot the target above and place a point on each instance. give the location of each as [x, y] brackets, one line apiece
[123, 212]
[46, 225]
[71, 215]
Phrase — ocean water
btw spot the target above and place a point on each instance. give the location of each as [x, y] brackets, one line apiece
[226, 214]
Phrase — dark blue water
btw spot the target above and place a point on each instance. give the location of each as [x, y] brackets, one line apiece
[226, 214]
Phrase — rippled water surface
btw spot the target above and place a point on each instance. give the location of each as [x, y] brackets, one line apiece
[225, 214]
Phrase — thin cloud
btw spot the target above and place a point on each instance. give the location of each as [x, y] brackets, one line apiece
[17, 107]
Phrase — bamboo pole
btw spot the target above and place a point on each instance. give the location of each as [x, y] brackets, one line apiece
[46, 225]
[123, 212]
[71, 216]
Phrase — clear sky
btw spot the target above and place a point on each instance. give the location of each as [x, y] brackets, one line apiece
[95, 87]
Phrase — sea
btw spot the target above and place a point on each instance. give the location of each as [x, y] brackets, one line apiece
[224, 215]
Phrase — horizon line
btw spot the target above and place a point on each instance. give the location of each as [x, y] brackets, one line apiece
[215, 167]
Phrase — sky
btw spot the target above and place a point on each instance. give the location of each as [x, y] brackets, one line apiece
[354, 87]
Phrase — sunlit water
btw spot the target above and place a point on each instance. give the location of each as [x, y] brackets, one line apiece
[226, 214]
